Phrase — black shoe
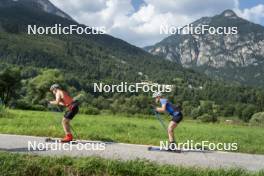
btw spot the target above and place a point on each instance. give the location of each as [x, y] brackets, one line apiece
[172, 146]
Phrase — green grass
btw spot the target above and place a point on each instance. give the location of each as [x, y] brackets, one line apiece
[29, 165]
[131, 130]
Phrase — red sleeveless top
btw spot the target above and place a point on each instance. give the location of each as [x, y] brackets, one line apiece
[67, 100]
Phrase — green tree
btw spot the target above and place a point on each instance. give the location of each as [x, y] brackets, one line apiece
[248, 112]
[196, 112]
[228, 110]
[39, 86]
[9, 84]
[257, 119]
[206, 107]
[187, 108]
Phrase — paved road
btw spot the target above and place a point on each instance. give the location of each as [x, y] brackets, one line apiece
[18, 143]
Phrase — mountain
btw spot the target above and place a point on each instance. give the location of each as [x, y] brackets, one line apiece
[43, 5]
[82, 58]
[237, 57]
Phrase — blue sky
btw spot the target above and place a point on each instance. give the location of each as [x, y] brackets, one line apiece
[243, 3]
[249, 3]
[138, 21]
[137, 3]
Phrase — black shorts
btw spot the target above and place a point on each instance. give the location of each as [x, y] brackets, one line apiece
[177, 117]
[71, 113]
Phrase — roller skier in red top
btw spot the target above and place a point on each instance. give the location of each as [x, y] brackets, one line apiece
[62, 98]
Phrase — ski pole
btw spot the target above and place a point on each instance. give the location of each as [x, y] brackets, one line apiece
[160, 120]
[74, 132]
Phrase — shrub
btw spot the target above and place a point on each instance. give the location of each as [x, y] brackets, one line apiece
[228, 110]
[247, 113]
[37, 108]
[207, 118]
[89, 110]
[257, 119]
[22, 104]
[195, 113]
[238, 109]
[187, 108]
[206, 107]
[3, 111]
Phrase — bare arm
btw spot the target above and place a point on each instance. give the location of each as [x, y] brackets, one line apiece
[161, 109]
[57, 101]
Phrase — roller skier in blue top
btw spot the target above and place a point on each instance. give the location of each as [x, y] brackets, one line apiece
[174, 111]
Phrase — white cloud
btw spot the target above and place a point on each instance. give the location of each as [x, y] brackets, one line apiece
[144, 14]
[76, 6]
[255, 14]
[191, 7]
[141, 27]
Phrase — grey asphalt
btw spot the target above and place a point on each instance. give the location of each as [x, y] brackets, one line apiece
[19, 143]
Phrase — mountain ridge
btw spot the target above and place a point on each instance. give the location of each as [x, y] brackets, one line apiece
[81, 57]
[44, 5]
[79, 61]
[218, 55]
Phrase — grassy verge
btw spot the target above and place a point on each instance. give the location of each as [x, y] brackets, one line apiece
[24, 165]
[132, 130]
